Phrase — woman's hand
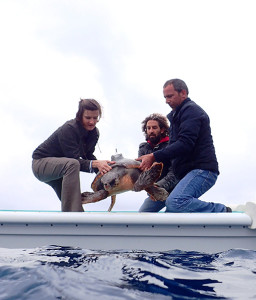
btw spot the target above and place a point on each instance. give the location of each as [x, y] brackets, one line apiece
[102, 165]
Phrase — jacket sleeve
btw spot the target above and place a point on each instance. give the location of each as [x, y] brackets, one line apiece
[142, 149]
[189, 129]
[169, 181]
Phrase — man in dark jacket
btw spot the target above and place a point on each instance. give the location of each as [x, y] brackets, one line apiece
[156, 130]
[69, 150]
[191, 150]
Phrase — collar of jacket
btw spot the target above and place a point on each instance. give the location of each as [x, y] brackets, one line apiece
[175, 111]
[165, 139]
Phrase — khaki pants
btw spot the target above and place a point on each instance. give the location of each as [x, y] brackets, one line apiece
[62, 174]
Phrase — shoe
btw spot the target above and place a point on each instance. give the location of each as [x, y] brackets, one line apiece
[228, 209]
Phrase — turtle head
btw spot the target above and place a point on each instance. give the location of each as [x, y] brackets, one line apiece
[110, 181]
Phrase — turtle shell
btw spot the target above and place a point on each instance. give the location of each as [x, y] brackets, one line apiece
[121, 178]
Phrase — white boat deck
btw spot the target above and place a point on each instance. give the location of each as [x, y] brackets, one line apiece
[204, 232]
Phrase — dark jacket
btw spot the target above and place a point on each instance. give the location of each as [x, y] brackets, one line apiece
[191, 144]
[167, 179]
[71, 140]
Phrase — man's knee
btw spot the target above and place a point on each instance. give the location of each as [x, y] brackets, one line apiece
[177, 203]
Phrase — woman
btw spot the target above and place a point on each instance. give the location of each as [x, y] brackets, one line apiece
[69, 150]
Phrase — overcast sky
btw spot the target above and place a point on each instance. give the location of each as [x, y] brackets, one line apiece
[121, 53]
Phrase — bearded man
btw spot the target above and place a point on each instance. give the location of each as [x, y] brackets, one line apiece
[156, 130]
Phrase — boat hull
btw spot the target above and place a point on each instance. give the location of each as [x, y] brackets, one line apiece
[204, 232]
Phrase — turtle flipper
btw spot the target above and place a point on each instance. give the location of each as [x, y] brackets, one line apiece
[113, 201]
[149, 177]
[157, 193]
[89, 197]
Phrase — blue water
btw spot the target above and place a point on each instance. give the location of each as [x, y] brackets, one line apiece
[72, 273]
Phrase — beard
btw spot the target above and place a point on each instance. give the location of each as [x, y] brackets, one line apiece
[154, 139]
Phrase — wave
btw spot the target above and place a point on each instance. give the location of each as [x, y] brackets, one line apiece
[56, 272]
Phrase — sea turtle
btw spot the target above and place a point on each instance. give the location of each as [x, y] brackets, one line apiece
[125, 176]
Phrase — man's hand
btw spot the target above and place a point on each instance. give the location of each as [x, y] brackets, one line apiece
[146, 161]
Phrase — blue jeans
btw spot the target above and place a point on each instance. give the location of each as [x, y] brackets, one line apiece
[184, 197]
[151, 206]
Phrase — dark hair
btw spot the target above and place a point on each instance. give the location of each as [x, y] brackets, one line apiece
[178, 85]
[162, 121]
[87, 104]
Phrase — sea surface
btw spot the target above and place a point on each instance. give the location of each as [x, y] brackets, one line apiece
[56, 272]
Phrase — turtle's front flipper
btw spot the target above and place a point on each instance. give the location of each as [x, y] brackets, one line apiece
[149, 177]
[113, 201]
[157, 193]
[88, 197]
